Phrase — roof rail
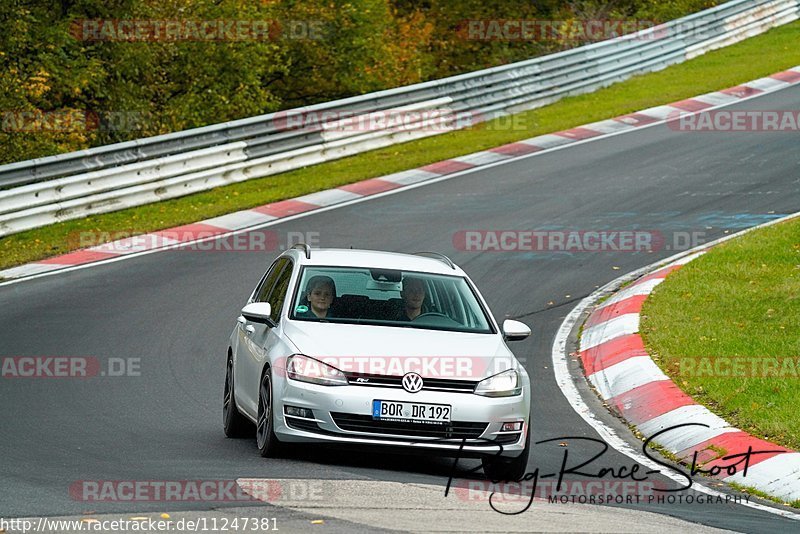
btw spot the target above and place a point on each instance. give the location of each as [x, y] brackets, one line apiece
[439, 256]
[305, 248]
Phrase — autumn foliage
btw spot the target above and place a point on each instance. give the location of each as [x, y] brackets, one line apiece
[81, 73]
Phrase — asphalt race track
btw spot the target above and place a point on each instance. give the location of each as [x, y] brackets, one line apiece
[174, 310]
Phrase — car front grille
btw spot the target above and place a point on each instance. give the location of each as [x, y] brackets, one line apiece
[429, 384]
[451, 430]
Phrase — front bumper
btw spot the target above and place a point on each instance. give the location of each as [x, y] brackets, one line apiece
[343, 415]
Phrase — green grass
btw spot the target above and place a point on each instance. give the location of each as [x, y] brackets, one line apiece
[759, 493]
[754, 58]
[740, 302]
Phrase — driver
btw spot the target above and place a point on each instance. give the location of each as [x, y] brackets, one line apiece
[413, 295]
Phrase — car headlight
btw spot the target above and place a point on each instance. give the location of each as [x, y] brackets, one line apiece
[503, 384]
[305, 369]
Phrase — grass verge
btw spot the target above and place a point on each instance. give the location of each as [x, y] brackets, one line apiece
[763, 495]
[726, 328]
[753, 58]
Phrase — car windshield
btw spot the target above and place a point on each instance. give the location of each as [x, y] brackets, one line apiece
[392, 298]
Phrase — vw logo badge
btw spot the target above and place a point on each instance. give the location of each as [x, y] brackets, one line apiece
[412, 382]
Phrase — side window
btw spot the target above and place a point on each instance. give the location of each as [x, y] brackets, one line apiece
[278, 294]
[269, 280]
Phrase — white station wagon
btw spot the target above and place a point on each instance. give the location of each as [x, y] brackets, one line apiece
[361, 347]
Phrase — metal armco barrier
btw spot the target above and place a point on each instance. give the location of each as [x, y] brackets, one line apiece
[42, 191]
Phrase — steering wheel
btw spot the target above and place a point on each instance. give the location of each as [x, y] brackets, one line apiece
[431, 314]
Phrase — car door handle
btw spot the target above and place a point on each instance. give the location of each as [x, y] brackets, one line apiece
[249, 329]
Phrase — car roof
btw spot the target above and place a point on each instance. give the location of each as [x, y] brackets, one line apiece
[376, 259]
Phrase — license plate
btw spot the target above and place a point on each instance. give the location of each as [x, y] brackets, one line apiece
[410, 411]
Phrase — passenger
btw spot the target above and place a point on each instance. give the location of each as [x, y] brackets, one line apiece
[320, 292]
[413, 295]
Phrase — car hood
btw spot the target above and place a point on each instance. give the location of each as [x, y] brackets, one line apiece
[395, 351]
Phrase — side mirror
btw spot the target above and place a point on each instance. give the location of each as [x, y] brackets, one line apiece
[515, 330]
[258, 312]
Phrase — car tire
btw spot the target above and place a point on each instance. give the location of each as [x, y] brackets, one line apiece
[235, 424]
[268, 444]
[508, 469]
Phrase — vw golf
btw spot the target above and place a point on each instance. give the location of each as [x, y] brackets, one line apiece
[376, 348]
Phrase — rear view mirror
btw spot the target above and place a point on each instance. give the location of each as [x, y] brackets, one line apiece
[258, 312]
[515, 330]
[386, 275]
[383, 286]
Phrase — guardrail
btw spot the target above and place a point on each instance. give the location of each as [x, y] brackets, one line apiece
[47, 190]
